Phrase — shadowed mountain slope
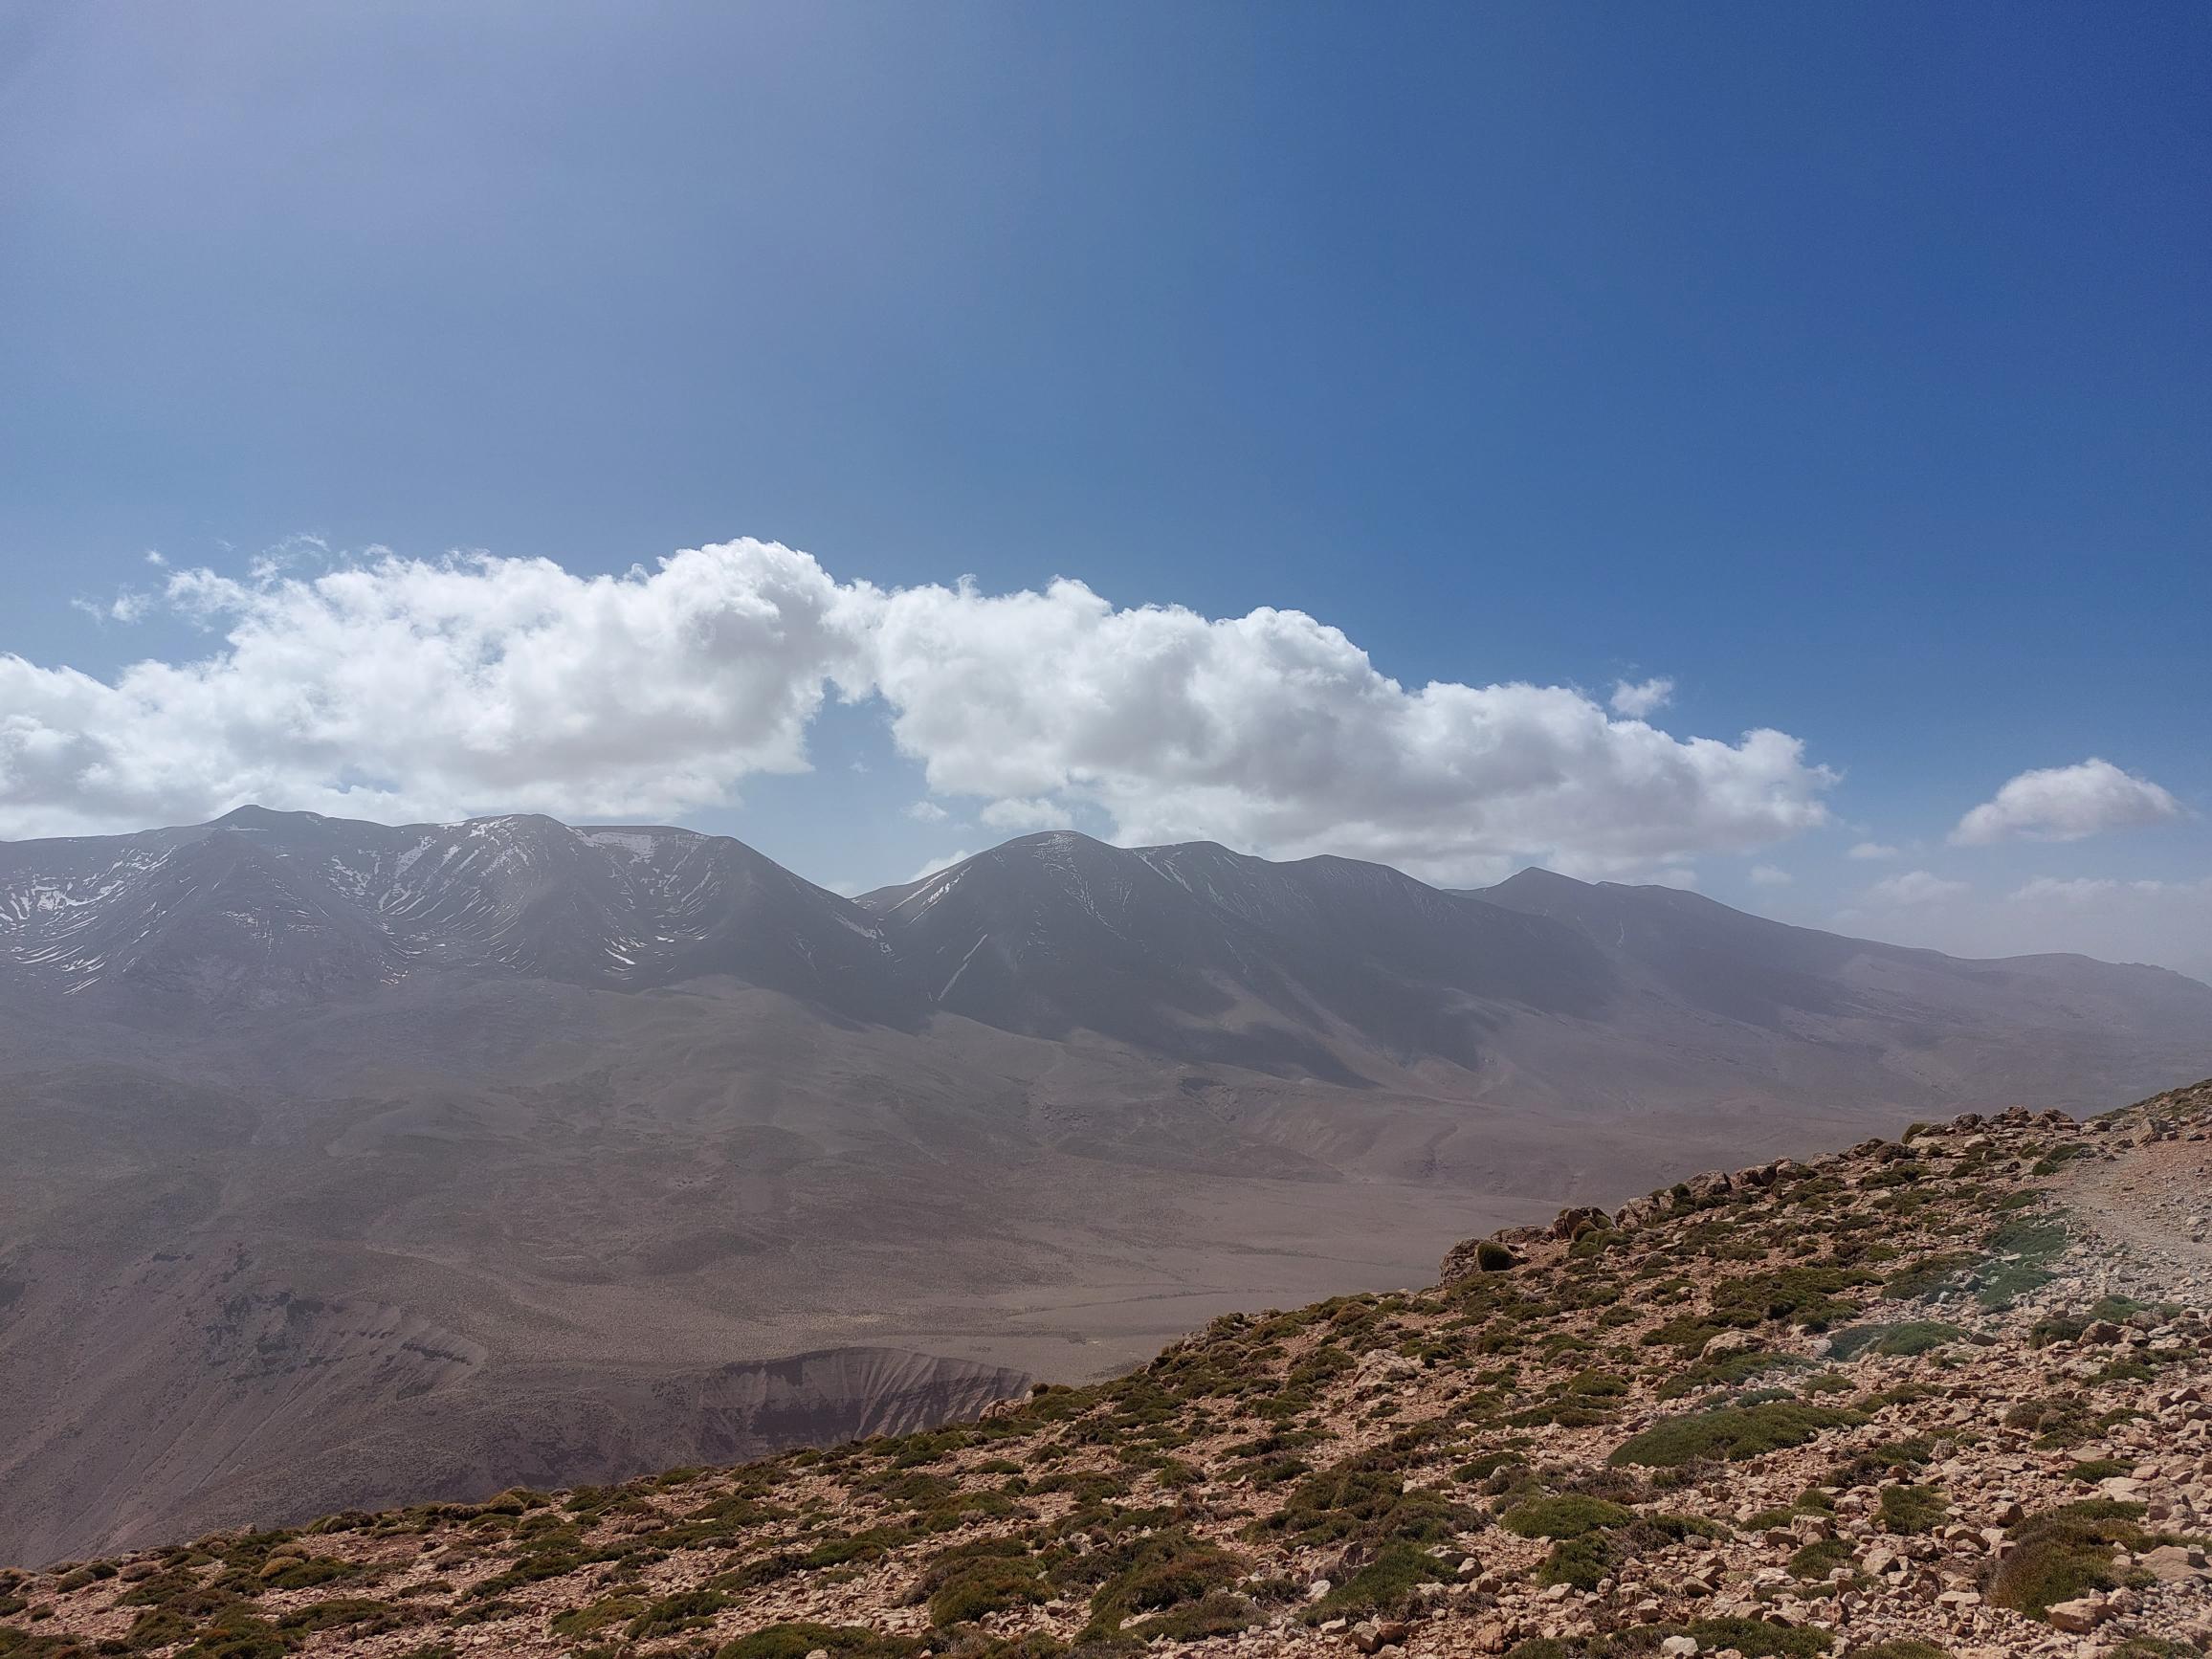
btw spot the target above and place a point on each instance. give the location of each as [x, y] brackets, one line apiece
[1201, 952]
[265, 908]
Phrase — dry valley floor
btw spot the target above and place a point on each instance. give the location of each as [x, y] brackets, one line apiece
[1938, 1395]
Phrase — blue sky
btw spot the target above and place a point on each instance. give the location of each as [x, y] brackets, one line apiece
[1851, 367]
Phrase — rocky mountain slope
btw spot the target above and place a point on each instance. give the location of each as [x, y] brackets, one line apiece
[263, 909]
[1211, 955]
[1937, 1395]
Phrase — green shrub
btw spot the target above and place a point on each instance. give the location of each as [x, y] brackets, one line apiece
[1564, 1517]
[1583, 1562]
[1905, 1340]
[595, 1616]
[795, 1640]
[305, 1573]
[358, 1615]
[2059, 1158]
[2028, 1245]
[1733, 1433]
[1384, 1586]
[1756, 1639]
[156, 1628]
[1358, 1500]
[1930, 1275]
[237, 1634]
[1806, 1296]
[1818, 1559]
[1165, 1570]
[989, 1585]
[1728, 1371]
[1914, 1509]
[1218, 1613]
[1598, 1385]
[2064, 1553]
[686, 1610]
[1493, 1257]
[2098, 1469]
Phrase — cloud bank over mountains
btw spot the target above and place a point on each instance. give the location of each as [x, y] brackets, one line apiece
[2168, 923]
[410, 689]
[400, 688]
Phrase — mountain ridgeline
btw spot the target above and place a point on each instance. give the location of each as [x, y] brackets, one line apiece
[1319, 967]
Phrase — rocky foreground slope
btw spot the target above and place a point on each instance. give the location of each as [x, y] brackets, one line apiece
[1943, 1395]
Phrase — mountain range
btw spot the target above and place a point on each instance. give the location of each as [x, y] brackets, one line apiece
[350, 1162]
[1317, 968]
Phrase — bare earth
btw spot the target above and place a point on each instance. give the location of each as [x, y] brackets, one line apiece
[1939, 1397]
[2156, 1205]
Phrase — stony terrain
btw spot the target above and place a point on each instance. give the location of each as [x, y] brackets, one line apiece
[1940, 1395]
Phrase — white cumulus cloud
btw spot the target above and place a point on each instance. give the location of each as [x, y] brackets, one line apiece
[1639, 698]
[1273, 731]
[2067, 803]
[408, 688]
[1914, 888]
[394, 688]
[1021, 817]
[1872, 850]
[1770, 876]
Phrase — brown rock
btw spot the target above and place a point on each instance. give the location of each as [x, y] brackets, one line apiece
[2079, 1616]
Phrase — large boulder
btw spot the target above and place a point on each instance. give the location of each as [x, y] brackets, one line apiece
[1707, 1188]
[1643, 1211]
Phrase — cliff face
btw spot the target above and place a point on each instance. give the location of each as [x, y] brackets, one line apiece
[222, 1454]
[1940, 1395]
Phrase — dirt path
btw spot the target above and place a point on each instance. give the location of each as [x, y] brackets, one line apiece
[2154, 1202]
